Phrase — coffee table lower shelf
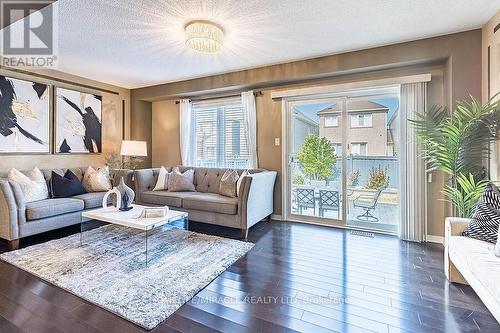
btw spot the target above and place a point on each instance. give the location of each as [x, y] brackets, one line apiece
[131, 219]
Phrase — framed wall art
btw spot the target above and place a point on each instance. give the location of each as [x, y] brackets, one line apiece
[24, 116]
[78, 122]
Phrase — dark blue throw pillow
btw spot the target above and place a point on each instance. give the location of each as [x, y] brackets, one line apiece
[65, 186]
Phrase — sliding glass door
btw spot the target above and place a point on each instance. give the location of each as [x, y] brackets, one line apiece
[315, 158]
[342, 160]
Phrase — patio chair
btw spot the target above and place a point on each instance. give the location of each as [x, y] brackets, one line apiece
[368, 206]
[328, 200]
[305, 199]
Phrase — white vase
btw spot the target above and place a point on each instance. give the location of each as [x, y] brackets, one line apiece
[118, 198]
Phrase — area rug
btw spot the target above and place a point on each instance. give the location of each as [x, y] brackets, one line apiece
[109, 269]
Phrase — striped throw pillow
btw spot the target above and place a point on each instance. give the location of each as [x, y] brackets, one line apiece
[485, 220]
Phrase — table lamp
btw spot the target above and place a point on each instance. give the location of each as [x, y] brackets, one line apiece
[134, 150]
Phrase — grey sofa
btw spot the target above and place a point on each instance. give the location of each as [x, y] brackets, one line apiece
[20, 219]
[254, 203]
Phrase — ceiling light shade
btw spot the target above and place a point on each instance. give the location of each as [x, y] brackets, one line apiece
[204, 36]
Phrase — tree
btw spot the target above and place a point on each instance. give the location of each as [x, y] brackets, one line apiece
[317, 157]
[457, 144]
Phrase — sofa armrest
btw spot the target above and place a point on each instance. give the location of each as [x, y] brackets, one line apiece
[9, 228]
[20, 202]
[454, 226]
[257, 197]
[144, 181]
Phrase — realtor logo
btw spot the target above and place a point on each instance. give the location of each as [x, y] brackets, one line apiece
[29, 33]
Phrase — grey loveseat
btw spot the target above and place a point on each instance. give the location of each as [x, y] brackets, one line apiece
[254, 203]
[20, 219]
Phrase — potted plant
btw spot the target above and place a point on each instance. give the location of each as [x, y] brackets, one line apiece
[457, 144]
[317, 158]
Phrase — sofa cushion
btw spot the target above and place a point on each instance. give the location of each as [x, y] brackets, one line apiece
[485, 219]
[65, 186]
[91, 199]
[32, 184]
[163, 198]
[181, 182]
[207, 180]
[211, 202]
[480, 260]
[52, 207]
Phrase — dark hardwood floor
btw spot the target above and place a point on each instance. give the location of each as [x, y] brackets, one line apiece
[297, 278]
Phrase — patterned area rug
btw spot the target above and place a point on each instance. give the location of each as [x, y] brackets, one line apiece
[109, 268]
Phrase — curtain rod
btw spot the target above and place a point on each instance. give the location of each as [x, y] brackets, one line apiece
[255, 93]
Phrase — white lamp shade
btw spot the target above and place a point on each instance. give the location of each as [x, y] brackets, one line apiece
[134, 148]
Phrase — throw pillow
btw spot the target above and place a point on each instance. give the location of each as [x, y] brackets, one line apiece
[485, 220]
[181, 182]
[240, 180]
[97, 180]
[227, 186]
[33, 184]
[497, 246]
[66, 186]
[163, 180]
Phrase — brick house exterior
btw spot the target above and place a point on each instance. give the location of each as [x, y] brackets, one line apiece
[366, 130]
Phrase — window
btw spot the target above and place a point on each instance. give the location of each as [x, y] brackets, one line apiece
[338, 149]
[331, 121]
[359, 148]
[220, 134]
[361, 120]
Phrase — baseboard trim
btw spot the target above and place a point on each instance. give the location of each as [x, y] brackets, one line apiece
[276, 217]
[435, 239]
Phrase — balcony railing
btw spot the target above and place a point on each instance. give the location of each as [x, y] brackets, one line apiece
[241, 163]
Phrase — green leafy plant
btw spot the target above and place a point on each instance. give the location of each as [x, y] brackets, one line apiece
[466, 196]
[353, 179]
[317, 158]
[378, 178]
[458, 143]
[113, 160]
[298, 180]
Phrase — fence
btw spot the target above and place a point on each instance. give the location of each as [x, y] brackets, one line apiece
[229, 163]
[364, 164]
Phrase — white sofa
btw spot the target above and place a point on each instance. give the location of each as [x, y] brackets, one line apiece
[471, 261]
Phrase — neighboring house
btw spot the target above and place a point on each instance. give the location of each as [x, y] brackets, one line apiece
[302, 127]
[392, 132]
[367, 128]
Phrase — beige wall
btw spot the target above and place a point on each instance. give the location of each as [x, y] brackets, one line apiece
[491, 40]
[165, 132]
[453, 60]
[111, 125]
[141, 126]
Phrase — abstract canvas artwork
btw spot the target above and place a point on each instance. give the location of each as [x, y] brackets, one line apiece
[78, 122]
[24, 116]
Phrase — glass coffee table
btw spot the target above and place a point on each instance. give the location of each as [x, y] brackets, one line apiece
[131, 219]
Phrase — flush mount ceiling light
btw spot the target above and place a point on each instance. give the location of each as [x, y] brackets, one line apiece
[204, 36]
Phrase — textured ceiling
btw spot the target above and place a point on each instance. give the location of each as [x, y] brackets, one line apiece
[134, 43]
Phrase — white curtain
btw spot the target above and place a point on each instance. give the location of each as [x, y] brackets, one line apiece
[185, 131]
[248, 102]
[413, 219]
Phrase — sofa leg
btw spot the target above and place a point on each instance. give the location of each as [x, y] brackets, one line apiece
[14, 244]
[244, 233]
[452, 273]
